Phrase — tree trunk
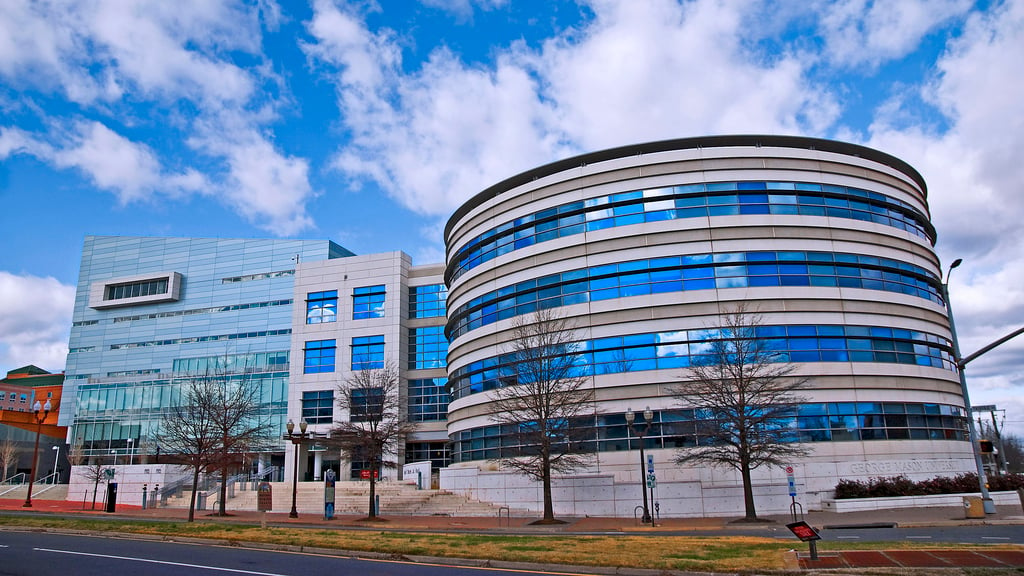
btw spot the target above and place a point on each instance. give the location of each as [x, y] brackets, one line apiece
[748, 493]
[192, 501]
[549, 508]
[373, 490]
[223, 492]
[95, 488]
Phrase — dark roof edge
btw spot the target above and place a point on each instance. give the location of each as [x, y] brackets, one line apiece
[721, 141]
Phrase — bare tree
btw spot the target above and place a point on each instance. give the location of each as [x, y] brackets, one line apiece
[545, 402]
[743, 393]
[1014, 447]
[378, 420]
[239, 425]
[94, 472]
[9, 451]
[187, 432]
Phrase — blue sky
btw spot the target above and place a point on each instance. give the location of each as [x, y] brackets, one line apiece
[368, 122]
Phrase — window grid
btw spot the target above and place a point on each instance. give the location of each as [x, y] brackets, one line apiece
[675, 350]
[322, 307]
[695, 272]
[427, 301]
[428, 400]
[368, 302]
[680, 428]
[318, 406]
[691, 201]
[136, 289]
[368, 352]
[319, 356]
[428, 348]
[438, 453]
[367, 404]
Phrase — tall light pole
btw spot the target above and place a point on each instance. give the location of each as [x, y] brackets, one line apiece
[56, 462]
[648, 418]
[297, 440]
[131, 451]
[44, 410]
[972, 432]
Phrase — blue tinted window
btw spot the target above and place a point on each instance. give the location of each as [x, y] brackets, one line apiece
[427, 301]
[319, 356]
[322, 307]
[368, 302]
[368, 352]
[428, 348]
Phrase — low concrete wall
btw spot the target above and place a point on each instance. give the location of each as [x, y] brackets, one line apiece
[602, 495]
[937, 500]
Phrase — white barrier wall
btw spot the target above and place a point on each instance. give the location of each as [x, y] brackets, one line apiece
[130, 482]
[682, 493]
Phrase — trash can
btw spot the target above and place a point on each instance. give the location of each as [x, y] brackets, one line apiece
[974, 507]
[111, 496]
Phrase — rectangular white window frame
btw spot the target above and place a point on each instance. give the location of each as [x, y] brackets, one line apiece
[99, 291]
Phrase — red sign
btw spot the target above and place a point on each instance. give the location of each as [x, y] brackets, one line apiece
[365, 474]
[803, 531]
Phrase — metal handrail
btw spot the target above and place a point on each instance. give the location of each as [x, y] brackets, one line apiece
[18, 478]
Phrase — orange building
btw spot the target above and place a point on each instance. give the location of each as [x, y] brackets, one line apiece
[19, 392]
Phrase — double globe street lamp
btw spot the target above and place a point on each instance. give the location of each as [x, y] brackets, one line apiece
[39, 413]
[297, 439]
[648, 420]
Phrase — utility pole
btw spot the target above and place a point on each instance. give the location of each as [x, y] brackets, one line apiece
[1000, 461]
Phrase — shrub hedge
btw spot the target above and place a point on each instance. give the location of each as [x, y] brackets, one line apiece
[903, 486]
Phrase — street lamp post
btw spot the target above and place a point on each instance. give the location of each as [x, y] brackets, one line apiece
[37, 409]
[131, 451]
[296, 439]
[972, 432]
[56, 462]
[648, 418]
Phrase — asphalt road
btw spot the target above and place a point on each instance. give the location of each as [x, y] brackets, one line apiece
[44, 554]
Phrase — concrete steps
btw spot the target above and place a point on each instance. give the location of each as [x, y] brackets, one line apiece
[396, 498]
[39, 491]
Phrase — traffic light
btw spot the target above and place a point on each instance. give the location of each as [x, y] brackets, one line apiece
[986, 446]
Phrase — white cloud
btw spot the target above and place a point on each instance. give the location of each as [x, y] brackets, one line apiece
[267, 187]
[652, 70]
[163, 49]
[179, 57]
[463, 9]
[639, 71]
[34, 321]
[975, 174]
[869, 32]
[114, 163]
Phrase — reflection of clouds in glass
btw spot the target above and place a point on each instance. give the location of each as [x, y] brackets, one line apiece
[677, 336]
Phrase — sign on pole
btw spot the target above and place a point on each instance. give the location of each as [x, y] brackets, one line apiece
[791, 479]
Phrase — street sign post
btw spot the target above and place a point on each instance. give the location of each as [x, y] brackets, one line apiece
[806, 533]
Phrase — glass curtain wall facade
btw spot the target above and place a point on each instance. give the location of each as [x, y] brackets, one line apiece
[203, 307]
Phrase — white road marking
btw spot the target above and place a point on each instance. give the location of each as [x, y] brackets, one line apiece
[849, 537]
[919, 537]
[995, 537]
[201, 567]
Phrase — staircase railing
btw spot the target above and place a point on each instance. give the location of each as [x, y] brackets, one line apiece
[13, 483]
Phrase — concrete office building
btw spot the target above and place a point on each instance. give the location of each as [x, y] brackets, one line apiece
[362, 313]
[645, 247]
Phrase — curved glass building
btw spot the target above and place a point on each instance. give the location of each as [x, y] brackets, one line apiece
[645, 247]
